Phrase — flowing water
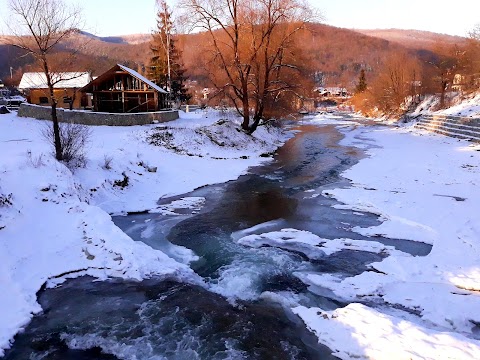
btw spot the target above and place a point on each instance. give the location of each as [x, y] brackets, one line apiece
[242, 309]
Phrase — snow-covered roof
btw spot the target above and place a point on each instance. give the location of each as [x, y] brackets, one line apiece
[330, 89]
[38, 80]
[142, 78]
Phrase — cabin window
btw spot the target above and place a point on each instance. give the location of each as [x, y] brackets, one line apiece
[43, 100]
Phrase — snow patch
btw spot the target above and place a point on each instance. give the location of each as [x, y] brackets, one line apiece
[359, 332]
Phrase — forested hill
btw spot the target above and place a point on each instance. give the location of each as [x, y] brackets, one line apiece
[337, 55]
[415, 39]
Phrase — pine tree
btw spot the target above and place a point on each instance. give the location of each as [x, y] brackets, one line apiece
[362, 82]
[166, 67]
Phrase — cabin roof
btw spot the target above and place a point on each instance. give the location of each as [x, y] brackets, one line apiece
[133, 73]
[38, 80]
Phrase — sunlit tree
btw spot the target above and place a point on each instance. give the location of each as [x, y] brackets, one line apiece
[253, 57]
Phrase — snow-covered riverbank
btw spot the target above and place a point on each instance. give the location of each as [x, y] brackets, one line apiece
[55, 223]
[425, 188]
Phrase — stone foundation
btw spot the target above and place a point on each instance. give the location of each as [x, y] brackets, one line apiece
[97, 118]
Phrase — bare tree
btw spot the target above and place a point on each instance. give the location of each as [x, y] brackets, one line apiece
[40, 27]
[470, 62]
[253, 49]
[445, 65]
[475, 33]
[396, 82]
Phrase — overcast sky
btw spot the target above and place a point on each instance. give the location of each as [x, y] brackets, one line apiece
[119, 17]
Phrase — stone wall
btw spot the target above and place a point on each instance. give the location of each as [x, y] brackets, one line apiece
[454, 126]
[97, 118]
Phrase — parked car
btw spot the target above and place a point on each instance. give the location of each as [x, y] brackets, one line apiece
[10, 101]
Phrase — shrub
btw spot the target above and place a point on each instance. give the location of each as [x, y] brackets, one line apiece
[107, 162]
[5, 200]
[35, 161]
[74, 139]
[122, 183]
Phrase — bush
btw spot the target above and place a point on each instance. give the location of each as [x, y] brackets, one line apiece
[122, 183]
[35, 161]
[107, 162]
[5, 200]
[74, 139]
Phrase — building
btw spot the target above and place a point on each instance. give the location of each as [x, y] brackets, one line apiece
[123, 90]
[67, 87]
[332, 92]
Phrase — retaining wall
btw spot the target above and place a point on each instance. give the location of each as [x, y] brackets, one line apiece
[453, 126]
[97, 118]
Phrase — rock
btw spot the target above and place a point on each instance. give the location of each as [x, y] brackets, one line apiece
[4, 110]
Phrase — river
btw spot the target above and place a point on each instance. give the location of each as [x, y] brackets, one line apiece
[242, 309]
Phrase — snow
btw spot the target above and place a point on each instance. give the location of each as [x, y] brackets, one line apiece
[469, 107]
[194, 203]
[38, 80]
[312, 245]
[142, 78]
[462, 105]
[359, 332]
[425, 188]
[55, 222]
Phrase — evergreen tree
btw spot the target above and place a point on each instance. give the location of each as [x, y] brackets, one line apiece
[166, 67]
[362, 82]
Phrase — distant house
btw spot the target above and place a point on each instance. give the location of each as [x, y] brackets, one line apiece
[123, 90]
[66, 89]
[332, 91]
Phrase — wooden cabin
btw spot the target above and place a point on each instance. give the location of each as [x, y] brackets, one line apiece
[66, 89]
[123, 90]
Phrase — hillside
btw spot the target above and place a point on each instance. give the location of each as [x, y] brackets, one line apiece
[414, 39]
[131, 39]
[336, 55]
[97, 54]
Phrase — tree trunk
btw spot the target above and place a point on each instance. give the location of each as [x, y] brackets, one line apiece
[53, 102]
[246, 122]
[246, 108]
[56, 133]
[254, 125]
[442, 94]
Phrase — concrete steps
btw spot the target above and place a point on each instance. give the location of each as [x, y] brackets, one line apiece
[453, 126]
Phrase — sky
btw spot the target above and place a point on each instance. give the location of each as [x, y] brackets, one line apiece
[120, 17]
